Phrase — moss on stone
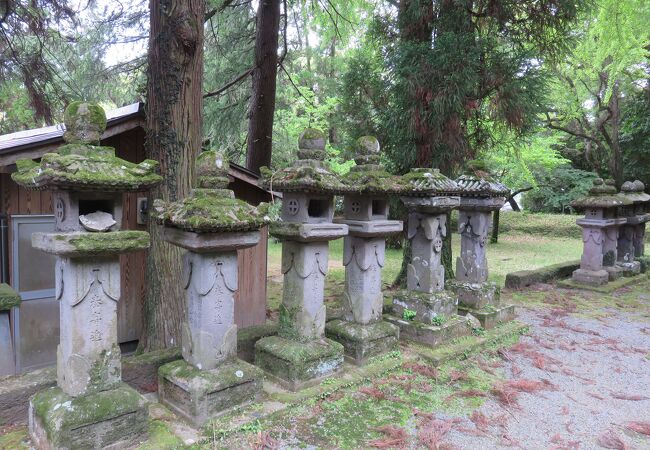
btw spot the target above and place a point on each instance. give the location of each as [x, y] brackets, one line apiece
[207, 210]
[304, 176]
[372, 179]
[8, 297]
[87, 167]
[111, 242]
[61, 414]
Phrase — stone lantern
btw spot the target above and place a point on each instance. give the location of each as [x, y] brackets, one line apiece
[425, 311]
[365, 204]
[90, 407]
[479, 197]
[211, 225]
[635, 219]
[631, 240]
[300, 353]
[599, 232]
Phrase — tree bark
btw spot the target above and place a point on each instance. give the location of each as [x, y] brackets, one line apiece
[260, 124]
[173, 122]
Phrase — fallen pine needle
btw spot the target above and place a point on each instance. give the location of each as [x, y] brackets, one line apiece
[639, 427]
[395, 437]
[611, 440]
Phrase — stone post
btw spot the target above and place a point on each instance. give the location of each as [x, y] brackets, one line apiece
[211, 225]
[635, 219]
[90, 407]
[301, 354]
[362, 331]
[425, 311]
[479, 197]
[600, 216]
[8, 299]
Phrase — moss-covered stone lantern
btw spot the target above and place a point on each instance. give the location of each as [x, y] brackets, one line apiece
[599, 233]
[90, 407]
[362, 331]
[425, 311]
[300, 353]
[211, 225]
[635, 219]
[480, 195]
[8, 299]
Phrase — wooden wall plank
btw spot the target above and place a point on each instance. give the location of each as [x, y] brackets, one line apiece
[250, 303]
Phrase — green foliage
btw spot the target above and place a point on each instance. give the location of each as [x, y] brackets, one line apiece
[438, 320]
[408, 314]
[557, 188]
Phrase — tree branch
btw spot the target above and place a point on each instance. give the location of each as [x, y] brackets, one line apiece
[228, 85]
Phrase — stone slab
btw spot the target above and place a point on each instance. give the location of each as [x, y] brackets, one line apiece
[371, 228]
[431, 335]
[247, 337]
[490, 316]
[524, 278]
[113, 419]
[307, 232]
[475, 295]
[80, 244]
[614, 272]
[459, 348]
[426, 306]
[210, 242]
[297, 364]
[590, 277]
[607, 288]
[363, 341]
[481, 203]
[199, 395]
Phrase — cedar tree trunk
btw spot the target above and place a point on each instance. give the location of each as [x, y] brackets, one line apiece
[174, 114]
[260, 124]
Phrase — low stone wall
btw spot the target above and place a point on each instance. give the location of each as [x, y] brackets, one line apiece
[523, 278]
[139, 371]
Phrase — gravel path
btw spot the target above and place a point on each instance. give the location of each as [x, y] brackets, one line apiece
[595, 378]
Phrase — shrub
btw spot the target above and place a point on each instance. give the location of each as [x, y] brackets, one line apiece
[557, 188]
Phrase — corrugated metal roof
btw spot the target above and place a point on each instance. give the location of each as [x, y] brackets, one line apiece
[36, 136]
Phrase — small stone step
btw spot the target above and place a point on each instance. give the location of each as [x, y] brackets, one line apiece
[429, 334]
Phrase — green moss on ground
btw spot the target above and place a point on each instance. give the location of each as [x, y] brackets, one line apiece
[161, 437]
[14, 439]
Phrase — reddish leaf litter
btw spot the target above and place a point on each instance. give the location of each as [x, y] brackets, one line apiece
[395, 437]
[264, 441]
[572, 383]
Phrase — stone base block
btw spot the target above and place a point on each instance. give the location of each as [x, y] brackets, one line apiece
[199, 395]
[590, 277]
[297, 364]
[361, 342]
[426, 306]
[614, 272]
[629, 269]
[454, 326]
[112, 419]
[475, 295]
[490, 316]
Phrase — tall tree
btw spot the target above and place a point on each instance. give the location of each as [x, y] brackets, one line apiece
[609, 65]
[174, 115]
[262, 107]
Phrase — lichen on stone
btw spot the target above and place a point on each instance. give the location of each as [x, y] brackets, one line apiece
[422, 182]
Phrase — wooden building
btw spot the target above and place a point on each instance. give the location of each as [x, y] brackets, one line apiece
[35, 325]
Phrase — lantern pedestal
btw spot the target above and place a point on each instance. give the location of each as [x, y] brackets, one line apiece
[110, 419]
[199, 395]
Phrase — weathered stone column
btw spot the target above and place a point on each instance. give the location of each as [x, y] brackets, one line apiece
[479, 196]
[211, 225]
[301, 354]
[90, 407]
[425, 311]
[8, 299]
[600, 215]
[362, 332]
[634, 216]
